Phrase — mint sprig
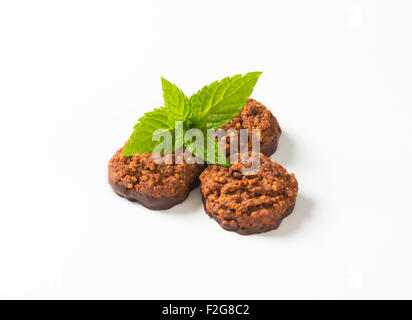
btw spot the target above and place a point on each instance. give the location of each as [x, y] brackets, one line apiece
[210, 108]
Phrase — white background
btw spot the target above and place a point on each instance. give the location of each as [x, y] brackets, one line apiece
[76, 75]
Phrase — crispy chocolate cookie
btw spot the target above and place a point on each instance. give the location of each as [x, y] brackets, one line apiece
[155, 186]
[248, 204]
[255, 115]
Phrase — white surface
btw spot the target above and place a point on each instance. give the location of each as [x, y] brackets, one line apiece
[76, 75]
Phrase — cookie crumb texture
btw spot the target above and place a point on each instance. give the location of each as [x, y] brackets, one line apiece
[155, 186]
[255, 115]
[248, 204]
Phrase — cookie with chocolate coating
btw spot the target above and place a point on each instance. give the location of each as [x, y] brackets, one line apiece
[255, 115]
[248, 204]
[155, 186]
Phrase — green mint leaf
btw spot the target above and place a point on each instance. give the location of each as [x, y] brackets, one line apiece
[156, 118]
[141, 139]
[209, 153]
[216, 104]
[176, 103]
[178, 135]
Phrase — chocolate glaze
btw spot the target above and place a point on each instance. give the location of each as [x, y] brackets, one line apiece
[151, 202]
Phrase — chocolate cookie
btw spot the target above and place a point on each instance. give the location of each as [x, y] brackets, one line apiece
[248, 204]
[155, 186]
[255, 115]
